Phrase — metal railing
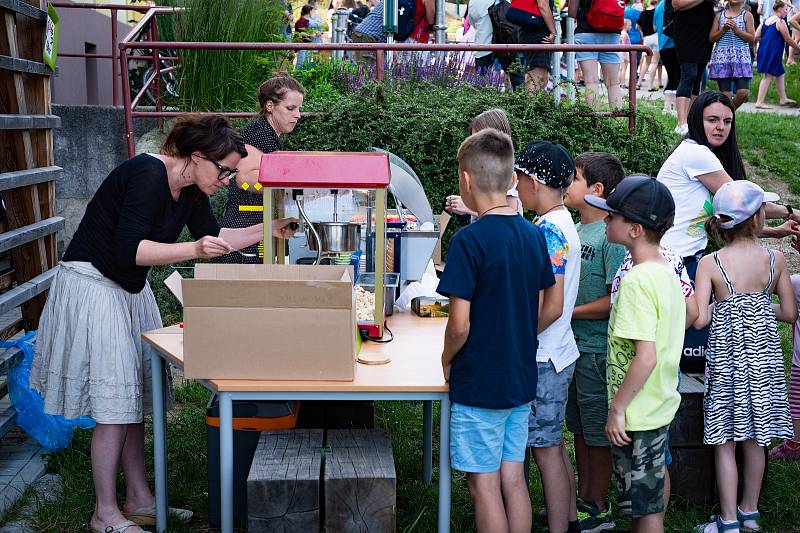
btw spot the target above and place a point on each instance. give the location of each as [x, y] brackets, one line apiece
[130, 43]
[114, 55]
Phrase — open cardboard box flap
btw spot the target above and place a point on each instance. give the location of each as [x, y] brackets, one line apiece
[270, 286]
[274, 322]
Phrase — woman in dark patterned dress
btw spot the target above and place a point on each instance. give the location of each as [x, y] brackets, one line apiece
[280, 99]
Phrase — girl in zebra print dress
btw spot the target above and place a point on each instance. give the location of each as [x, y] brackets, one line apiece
[745, 399]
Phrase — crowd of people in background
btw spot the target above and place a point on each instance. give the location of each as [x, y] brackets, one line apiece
[694, 43]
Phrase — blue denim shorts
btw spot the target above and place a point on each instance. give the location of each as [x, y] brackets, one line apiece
[546, 425]
[605, 58]
[481, 438]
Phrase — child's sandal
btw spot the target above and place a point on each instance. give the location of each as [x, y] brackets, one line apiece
[744, 517]
[721, 526]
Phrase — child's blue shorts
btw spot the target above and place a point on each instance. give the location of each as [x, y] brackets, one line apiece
[481, 438]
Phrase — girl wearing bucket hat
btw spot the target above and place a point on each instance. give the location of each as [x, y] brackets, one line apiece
[746, 398]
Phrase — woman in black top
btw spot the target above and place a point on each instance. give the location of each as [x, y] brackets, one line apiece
[692, 24]
[279, 99]
[90, 358]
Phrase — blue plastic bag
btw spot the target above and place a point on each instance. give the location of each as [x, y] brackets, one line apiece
[52, 431]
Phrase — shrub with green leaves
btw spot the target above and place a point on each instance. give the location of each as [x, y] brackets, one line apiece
[424, 124]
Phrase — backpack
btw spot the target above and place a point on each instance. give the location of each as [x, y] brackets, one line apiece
[606, 15]
[503, 31]
[405, 19]
[667, 27]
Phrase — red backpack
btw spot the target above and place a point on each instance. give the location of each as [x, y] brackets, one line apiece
[606, 15]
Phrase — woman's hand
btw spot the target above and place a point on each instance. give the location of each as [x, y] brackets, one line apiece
[208, 247]
[790, 228]
[284, 228]
[456, 205]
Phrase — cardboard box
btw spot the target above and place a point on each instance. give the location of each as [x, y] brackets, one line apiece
[272, 322]
[443, 220]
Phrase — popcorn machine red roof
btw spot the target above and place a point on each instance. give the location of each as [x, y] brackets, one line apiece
[338, 196]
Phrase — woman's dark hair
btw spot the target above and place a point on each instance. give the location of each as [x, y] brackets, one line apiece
[276, 88]
[211, 135]
[722, 236]
[728, 152]
[306, 9]
[778, 4]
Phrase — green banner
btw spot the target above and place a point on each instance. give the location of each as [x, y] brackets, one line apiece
[51, 37]
[390, 16]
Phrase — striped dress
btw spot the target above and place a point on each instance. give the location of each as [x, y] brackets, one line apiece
[745, 394]
[731, 56]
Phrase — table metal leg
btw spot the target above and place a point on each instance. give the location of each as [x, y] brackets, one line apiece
[444, 466]
[226, 461]
[159, 440]
[427, 441]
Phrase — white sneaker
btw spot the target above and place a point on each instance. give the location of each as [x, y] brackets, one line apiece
[682, 129]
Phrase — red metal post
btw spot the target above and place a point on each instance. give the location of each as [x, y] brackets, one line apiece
[126, 98]
[114, 51]
[156, 84]
[632, 91]
[380, 58]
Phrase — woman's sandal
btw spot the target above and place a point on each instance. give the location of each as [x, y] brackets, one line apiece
[721, 526]
[745, 517]
[122, 527]
[146, 516]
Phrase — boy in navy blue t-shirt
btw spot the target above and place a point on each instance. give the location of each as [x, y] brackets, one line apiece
[496, 274]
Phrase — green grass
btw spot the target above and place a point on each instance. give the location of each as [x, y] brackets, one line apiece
[792, 80]
[215, 80]
[417, 503]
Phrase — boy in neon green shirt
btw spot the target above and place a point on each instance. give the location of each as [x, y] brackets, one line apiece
[645, 340]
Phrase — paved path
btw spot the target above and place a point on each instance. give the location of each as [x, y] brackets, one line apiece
[22, 462]
[747, 107]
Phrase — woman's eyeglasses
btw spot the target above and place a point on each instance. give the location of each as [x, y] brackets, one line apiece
[224, 172]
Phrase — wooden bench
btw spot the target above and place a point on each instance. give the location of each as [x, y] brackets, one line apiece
[692, 470]
[360, 491]
[283, 488]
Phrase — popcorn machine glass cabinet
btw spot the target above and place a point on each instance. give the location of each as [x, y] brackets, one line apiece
[340, 199]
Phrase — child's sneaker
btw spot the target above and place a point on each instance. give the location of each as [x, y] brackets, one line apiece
[787, 451]
[592, 519]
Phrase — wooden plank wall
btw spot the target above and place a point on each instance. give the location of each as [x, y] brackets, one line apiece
[26, 143]
[28, 226]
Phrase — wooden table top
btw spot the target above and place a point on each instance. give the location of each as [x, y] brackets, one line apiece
[415, 364]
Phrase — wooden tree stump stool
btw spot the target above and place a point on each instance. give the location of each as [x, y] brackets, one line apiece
[692, 469]
[360, 482]
[284, 482]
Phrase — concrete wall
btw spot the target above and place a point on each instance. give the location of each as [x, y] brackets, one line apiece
[84, 80]
[89, 145]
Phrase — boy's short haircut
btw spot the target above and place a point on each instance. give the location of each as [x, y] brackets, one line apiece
[488, 156]
[601, 167]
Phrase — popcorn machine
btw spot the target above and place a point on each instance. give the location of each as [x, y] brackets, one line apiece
[340, 199]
